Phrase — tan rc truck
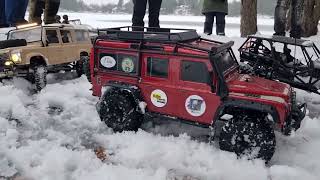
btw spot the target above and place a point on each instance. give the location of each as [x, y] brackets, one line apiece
[31, 51]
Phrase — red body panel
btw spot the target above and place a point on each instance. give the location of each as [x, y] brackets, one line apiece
[240, 86]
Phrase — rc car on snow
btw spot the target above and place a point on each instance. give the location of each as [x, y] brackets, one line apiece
[177, 75]
[31, 51]
[293, 61]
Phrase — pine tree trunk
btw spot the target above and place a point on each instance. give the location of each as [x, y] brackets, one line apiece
[317, 13]
[248, 17]
[311, 16]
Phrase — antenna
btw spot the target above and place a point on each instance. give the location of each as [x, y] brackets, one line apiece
[295, 49]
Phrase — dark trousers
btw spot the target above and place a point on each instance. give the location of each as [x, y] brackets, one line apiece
[220, 23]
[15, 11]
[280, 17]
[139, 11]
[21, 10]
[2, 14]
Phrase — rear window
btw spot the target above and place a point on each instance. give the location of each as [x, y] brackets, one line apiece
[82, 35]
[119, 63]
[66, 36]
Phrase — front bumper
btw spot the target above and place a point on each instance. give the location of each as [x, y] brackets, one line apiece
[297, 114]
[6, 74]
[6, 71]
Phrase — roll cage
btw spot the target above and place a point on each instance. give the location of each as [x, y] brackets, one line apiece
[268, 62]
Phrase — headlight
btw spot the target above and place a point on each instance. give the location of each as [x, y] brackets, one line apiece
[8, 63]
[16, 57]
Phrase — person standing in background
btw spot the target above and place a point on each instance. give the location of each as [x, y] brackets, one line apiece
[139, 11]
[215, 9]
[21, 8]
[48, 7]
[13, 12]
[2, 14]
[280, 17]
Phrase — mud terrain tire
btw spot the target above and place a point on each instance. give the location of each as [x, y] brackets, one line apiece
[248, 137]
[86, 67]
[79, 66]
[12, 43]
[40, 76]
[119, 112]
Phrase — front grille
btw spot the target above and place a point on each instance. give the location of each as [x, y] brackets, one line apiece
[3, 58]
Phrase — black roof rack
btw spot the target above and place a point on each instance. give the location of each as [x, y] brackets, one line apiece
[143, 34]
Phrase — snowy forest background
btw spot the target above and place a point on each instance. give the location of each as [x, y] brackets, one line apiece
[181, 7]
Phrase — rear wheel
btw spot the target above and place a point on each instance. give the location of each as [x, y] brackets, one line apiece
[86, 67]
[79, 66]
[248, 137]
[119, 112]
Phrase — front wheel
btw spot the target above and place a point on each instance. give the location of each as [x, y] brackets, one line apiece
[40, 76]
[248, 137]
[119, 112]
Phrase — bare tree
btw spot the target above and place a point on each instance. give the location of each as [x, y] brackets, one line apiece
[248, 17]
[120, 3]
[311, 16]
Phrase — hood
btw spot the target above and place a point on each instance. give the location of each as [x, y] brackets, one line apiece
[12, 43]
[256, 86]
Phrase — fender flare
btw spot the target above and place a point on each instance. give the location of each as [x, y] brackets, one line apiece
[31, 55]
[249, 105]
[130, 89]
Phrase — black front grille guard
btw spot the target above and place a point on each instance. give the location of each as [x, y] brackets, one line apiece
[297, 114]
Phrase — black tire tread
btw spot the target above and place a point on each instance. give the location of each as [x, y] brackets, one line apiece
[119, 112]
[235, 129]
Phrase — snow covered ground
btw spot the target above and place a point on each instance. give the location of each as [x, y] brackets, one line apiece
[51, 135]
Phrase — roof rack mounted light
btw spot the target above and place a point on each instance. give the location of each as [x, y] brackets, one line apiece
[27, 25]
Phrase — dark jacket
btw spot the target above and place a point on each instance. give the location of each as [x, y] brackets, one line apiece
[215, 6]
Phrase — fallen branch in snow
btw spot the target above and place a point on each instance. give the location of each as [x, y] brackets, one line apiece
[100, 153]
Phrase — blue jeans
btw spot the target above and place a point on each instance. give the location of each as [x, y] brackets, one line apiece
[15, 11]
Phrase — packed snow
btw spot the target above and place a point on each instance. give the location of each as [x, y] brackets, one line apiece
[52, 135]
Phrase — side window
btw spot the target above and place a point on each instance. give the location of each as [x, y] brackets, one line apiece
[194, 72]
[157, 67]
[119, 62]
[52, 36]
[66, 36]
[81, 35]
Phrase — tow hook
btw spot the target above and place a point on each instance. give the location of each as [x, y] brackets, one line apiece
[294, 121]
[303, 109]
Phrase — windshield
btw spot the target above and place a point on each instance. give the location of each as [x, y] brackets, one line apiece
[226, 61]
[30, 35]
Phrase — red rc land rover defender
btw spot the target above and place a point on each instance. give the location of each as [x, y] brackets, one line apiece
[176, 74]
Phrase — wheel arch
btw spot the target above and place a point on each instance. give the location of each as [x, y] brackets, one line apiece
[84, 53]
[38, 59]
[233, 106]
[132, 91]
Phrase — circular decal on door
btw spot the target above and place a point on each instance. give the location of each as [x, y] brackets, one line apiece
[159, 98]
[108, 61]
[195, 105]
[127, 65]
